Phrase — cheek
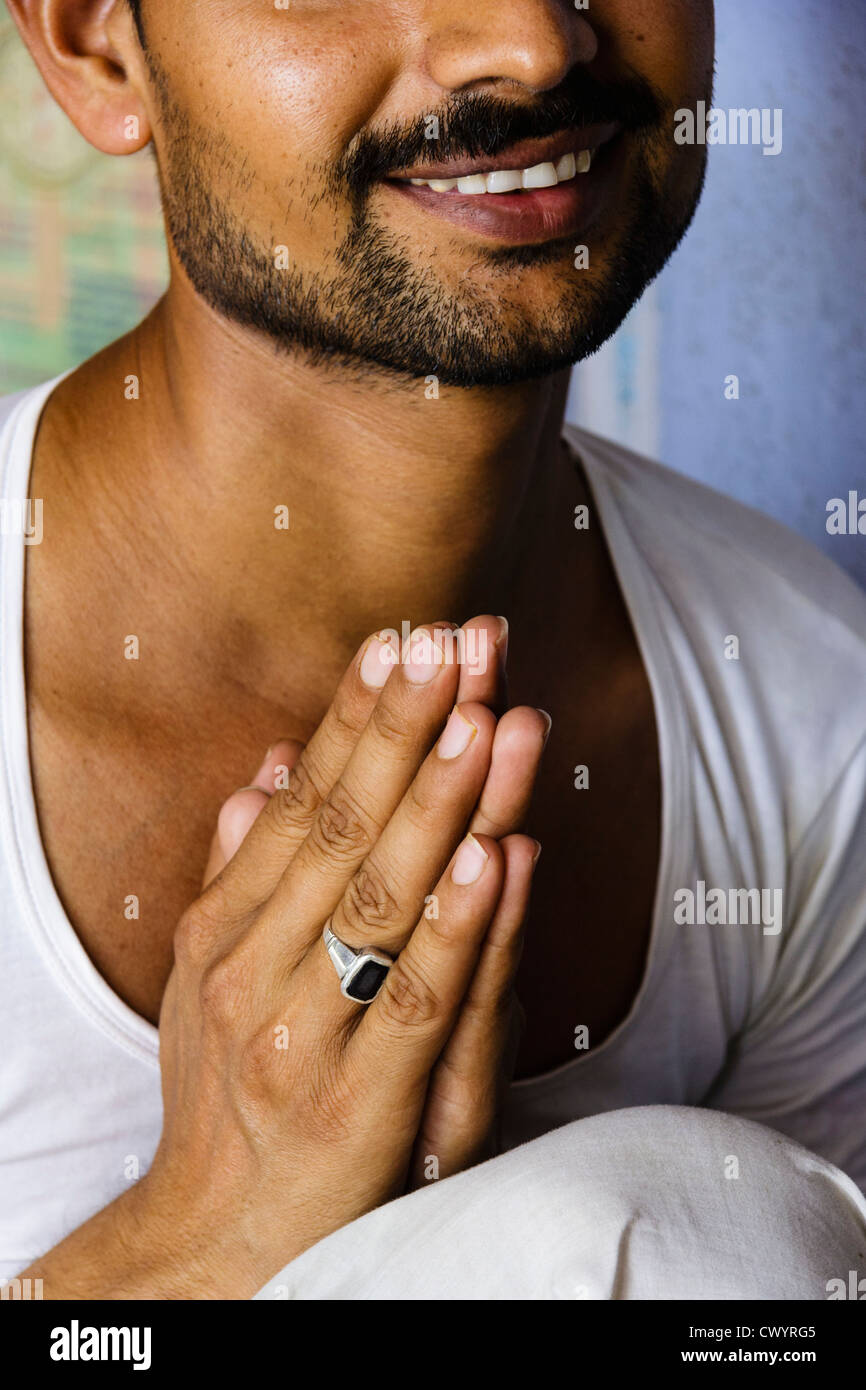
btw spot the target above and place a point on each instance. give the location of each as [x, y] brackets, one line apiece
[278, 98]
[669, 42]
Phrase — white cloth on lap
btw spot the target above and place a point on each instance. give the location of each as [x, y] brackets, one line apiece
[656, 1202]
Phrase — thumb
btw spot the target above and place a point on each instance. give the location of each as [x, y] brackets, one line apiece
[243, 807]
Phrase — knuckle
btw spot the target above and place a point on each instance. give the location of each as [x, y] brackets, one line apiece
[273, 1056]
[261, 1061]
[341, 830]
[420, 805]
[472, 1096]
[224, 990]
[295, 805]
[391, 726]
[348, 720]
[267, 1067]
[368, 902]
[194, 937]
[407, 998]
[445, 930]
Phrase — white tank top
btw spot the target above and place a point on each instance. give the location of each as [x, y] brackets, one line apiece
[763, 764]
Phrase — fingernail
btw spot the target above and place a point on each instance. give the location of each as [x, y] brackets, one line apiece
[537, 855]
[546, 716]
[468, 862]
[260, 774]
[376, 662]
[456, 736]
[501, 643]
[424, 656]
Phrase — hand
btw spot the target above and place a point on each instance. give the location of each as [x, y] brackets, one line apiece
[289, 1110]
[471, 1075]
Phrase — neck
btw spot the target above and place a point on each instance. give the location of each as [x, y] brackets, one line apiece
[401, 506]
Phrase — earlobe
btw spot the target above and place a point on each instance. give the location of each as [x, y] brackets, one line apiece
[90, 60]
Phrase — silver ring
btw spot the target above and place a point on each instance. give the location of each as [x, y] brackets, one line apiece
[361, 973]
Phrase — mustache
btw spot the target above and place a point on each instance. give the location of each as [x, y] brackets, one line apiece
[472, 125]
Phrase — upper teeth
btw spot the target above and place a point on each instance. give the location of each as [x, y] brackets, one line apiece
[508, 180]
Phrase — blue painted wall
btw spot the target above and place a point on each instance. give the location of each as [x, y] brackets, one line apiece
[769, 285]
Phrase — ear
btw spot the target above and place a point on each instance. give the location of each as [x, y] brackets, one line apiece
[91, 61]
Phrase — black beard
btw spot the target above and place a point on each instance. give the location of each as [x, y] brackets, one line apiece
[379, 309]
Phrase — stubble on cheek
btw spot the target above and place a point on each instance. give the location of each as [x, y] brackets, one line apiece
[228, 190]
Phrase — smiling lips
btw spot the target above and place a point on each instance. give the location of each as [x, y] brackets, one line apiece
[528, 164]
[535, 192]
[543, 175]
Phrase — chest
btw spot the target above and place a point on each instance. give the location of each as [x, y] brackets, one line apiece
[588, 931]
[127, 832]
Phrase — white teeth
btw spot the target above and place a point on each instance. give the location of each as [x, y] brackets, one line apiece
[504, 180]
[540, 176]
[472, 183]
[544, 175]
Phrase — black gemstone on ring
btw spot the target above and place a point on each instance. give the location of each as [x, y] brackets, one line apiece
[365, 985]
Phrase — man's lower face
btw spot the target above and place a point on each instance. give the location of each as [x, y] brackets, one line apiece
[382, 256]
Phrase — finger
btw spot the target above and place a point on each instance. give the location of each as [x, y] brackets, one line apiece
[242, 808]
[398, 1037]
[233, 824]
[384, 899]
[467, 1083]
[408, 717]
[521, 737]
[293, 809]
[386, 895]
[483, 680]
